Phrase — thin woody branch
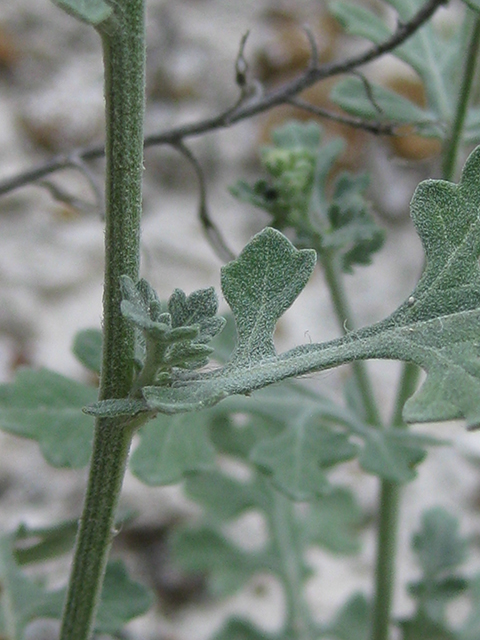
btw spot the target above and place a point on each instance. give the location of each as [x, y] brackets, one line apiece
[377, 128]
[244, 108]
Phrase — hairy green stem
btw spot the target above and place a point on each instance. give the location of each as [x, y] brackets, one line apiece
[454, 141]
[124, 58]
[345, 319]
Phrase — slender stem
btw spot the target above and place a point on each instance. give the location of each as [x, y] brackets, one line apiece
[390, 492]
[124, 59]
[388, 522]
[346, 322]
[284, 532]
[454, 141]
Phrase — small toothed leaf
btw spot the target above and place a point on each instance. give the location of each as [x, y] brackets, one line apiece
[259, 286]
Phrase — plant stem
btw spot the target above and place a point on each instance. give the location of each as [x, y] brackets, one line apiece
[388, 522]
[284, 532]
[454, 141]
[346, 322]
[124, 59]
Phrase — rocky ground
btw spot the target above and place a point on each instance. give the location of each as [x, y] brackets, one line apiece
[51, 252]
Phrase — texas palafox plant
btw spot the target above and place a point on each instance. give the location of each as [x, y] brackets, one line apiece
[151, 356]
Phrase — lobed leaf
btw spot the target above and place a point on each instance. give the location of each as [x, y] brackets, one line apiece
[379, 103]
[299, 196]
[259, 286]
[422, 628]
[222, 496]
[438, 545]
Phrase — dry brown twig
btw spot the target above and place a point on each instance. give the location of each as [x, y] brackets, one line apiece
[247, 107]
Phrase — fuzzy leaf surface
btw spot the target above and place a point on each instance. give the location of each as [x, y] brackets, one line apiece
[436, 328]
[259, 287]
[47, 407]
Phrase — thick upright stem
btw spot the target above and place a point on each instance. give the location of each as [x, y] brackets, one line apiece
[124, 57]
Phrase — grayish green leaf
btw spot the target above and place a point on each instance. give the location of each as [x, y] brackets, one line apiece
[172, 446]
[438, 545]
[222, 496]
[297, 459]
[23, 599]
[436, 328]
[379, 103]
[353, 621]
[47, 407]
[93, 12]
[122, 600]
[87, 347]
[299, 196]
[333, 522]
[422, 628]
[238, 629]
[123, 407]
[434, 55]
[471, 629]
[206, 551]
[259, 286]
